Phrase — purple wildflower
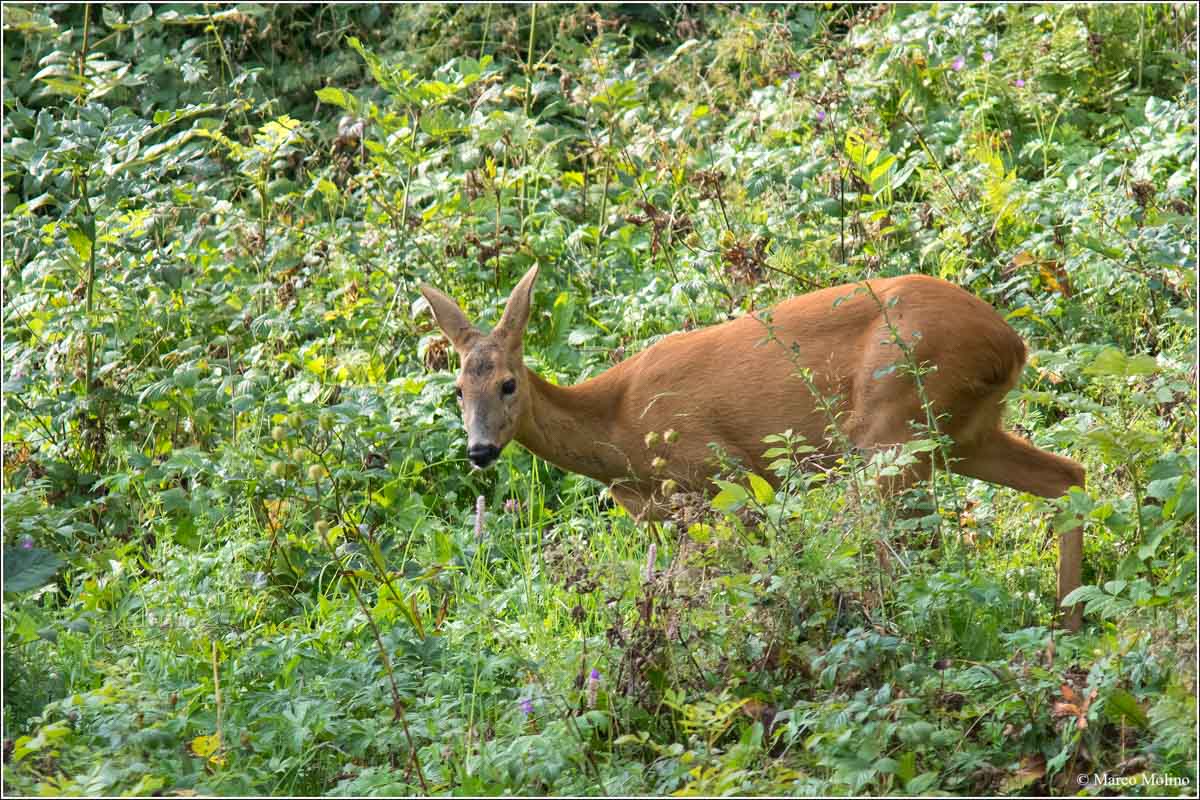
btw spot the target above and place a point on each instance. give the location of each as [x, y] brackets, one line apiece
[820, 115]
[526, 706]
[479, 507]
[987, 57]
[1019, 83]
[593, 687]
[793, 75]
[511, 506]
[26, 542]
[959, 63]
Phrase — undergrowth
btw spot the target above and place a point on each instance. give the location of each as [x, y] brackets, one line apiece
[244, 553]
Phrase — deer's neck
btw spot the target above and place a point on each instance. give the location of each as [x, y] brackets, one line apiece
[573, 427]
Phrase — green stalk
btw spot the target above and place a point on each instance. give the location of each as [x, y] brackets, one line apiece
[523, 206]
[529, 57]
[604, 194]
[89, 227]
[87, 26]
[90, 230]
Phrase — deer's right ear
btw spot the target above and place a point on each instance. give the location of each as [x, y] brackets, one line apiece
[451, 319]
[516, 311]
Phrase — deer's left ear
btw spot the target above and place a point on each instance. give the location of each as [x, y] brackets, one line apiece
[516, 312]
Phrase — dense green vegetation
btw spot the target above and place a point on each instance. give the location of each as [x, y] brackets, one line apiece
[243, 551]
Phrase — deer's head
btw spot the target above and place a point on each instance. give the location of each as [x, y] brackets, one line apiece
[493, 385]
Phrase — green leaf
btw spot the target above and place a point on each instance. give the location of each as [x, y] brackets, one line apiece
[1097, 246]
[730, 498]
[888, 766]
[883, 372]
[328, 190]
[1112, 361]
[28, 21]
[174, 499]
[112, 18]
[922, 783]
[880, 170]
[80, 241]
[1153, 540]
[26, 569]
[764, 493]
[921, 446]
[854, 146]
[1121, 705]
[337, 97]
[1098, 602]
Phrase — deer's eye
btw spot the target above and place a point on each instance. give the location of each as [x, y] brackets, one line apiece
[509, 386]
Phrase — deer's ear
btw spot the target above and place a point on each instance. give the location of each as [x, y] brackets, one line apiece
[451, 319]
[516, 312]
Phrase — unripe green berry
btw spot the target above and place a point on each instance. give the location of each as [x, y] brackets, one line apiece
[651, 439]
[326, 422]
[669, 487]
[658, 464]
[671, 436]
[278, 433]
[316, 472]
[278, 469]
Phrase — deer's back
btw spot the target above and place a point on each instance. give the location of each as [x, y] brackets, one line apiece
[734, 383]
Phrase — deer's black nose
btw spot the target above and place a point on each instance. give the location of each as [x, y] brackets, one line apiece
[483, 454]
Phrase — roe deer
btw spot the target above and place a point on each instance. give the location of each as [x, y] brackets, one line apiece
[720, 385]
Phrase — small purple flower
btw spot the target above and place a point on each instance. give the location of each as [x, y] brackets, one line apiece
[26, 542]
[593, 687]
[987, 57]
[1019, 83]
[793, 75]
[820, 115]
[959, 63]
[526, 705]
[511, 506]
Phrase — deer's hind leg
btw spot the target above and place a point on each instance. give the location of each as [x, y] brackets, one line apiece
[1000, 457]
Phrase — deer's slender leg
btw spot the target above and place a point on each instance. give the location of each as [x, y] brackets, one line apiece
[1003, 458]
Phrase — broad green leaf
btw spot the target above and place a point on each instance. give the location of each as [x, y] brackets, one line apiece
[1120, 704]
[1095, 245]
[730, 498]
[337, 97]
[880, 170]
[1112, 361]
[763, 491]
[80, 241]
[28, 568]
